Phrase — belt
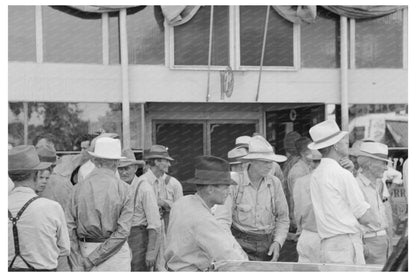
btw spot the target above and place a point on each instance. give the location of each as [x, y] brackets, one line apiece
[257, 237]
[375, 234]
[96, 240]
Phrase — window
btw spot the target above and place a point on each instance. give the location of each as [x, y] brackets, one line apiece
[145, 34]
[191, 40]
[379, 42]
[279, 50]
[71, 36]
[320, 41]
[22, 33]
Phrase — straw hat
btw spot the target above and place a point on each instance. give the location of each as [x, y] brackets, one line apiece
[129, 159]
[242, 141]
[25, 158]
[107, 148]
[211, 170]
[235, 154]
[375, 150]
[325, 134]
[260, 149]
[157, 152]
[46, 153]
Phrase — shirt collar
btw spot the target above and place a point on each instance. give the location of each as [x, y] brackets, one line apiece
[23, 190]
[151, 177]
[247, 182]
[203, 202]
[364, 179]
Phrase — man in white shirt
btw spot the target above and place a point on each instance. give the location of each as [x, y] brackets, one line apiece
[38, 234]
[337, 200]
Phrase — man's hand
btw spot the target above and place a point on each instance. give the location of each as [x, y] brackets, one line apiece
[87, 264]
[151, 258]
[347, 164]
[274, 249]
[163, 204]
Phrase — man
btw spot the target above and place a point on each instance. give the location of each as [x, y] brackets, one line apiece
[167, 188]
[256, 209]
[309, 242]
[337, 200]
[146, 225]
[234, 156]
[373, 160]
[195, 238]
[37, 229]
[100, 213]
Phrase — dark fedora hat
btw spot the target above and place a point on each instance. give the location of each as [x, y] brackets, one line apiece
[129, 158]
[25, 158]
[157, 152]
[211, 170]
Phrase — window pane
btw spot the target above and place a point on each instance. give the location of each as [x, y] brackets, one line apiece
[145, 34]
[16, 123]
[320, 41]
[192, 39]
[66, 123]
[379, 42]
[71, 36]
[114, 38]
[185, 142]
[22, 33]
[223, 137]
[279, 44]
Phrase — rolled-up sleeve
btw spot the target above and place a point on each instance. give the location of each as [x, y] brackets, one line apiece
[282, 214]
[62, 233]
[354, 195]
[150, 207]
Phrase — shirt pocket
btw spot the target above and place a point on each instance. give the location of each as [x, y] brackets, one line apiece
[244, 213]
[266, 216]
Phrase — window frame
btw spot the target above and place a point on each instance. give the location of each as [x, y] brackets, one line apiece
[234, 48]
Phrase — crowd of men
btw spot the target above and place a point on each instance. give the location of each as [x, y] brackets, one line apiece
[91, 212]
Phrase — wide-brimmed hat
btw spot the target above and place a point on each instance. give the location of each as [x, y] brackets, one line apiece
[234, 155]
[211, 170]
[314, 155]
[129, 158]
[103, 135]
[157, 152]
[260, 149]
[46, 153]
[242, 141]
[325, 134]
[25, 158]
[107, 148]
[355, 148]
[375, 150]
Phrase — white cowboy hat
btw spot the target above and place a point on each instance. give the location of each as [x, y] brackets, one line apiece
[260, 149]
[375, 150]
[235, 154]
[107, 148]
[325, 134]
[242, 141]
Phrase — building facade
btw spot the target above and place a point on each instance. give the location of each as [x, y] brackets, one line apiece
[197, 84]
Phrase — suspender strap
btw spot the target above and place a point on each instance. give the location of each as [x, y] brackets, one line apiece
[16, 234]
[167, 179]
[135, 194]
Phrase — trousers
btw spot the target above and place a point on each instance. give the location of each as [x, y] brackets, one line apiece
[138, 241]
[309, 247]
[256, 246]
[118, 262]
[343, 249]
[377, 249]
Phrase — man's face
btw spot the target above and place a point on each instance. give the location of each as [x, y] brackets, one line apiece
[127, 173]
[42, 180]
[85, 145]
[377, 167]
[263, 168]
[342, 147]
[219, 194]
[163, 165]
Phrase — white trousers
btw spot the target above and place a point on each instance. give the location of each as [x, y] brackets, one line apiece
[118, 262]
[343, 249]
[309, 247]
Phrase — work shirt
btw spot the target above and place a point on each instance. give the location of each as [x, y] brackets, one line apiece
[372, 196]
[337, 200]
[100, 208]
[43, 235]
[195, 238]
[290, 162]
[260, 211]
[87, 168]
[59, 189]
[146, 211]
[303, 210]
[169, 192]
